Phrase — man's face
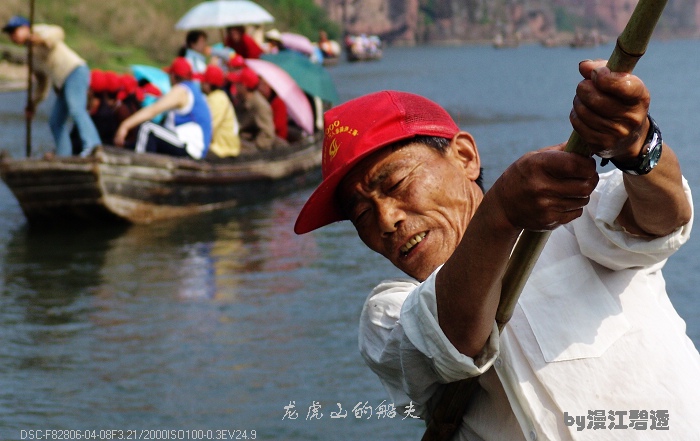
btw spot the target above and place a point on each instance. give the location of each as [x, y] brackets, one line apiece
[20, 35]
[235, 34]
[412, 205]
[200, 45]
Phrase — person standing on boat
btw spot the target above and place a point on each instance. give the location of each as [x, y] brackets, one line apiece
[594, 342]
[187, 129]
[225, 141]
[57, 64]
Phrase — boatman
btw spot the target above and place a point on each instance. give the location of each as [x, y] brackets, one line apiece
[595, 349]
[58, 65]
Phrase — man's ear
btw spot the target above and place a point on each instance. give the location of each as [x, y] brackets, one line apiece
[464, 147]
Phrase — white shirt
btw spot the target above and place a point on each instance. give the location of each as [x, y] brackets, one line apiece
[594, 330]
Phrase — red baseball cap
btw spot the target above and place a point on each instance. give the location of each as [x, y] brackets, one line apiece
[237, 61]
[180, 67]
[245, 76]
[98, 83]
[112, 82]
[130, 86]
[214, 76]
[356, 129]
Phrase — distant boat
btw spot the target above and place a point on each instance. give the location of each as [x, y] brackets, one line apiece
[118, 185]
[499, 41]
[363, 47]
[591, 38]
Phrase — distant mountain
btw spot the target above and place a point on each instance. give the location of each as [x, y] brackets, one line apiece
[418, 21]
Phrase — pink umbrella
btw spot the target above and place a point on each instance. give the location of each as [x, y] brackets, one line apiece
[287, 89]
[298, 43]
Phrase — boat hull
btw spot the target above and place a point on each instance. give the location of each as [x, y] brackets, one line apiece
[116, 185]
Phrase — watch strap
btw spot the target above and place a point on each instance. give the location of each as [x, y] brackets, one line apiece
[649, 155]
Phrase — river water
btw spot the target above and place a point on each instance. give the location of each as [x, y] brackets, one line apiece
[229, 321]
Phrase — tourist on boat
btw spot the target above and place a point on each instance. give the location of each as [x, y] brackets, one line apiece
[273, 38]
[112, 98]
[279, 109]
[594, 341]
[235, 64]
[102, 106]
[238, 40]
[57, 65]
[187, 127]
[329, 48]
[196, 50]
[257, 127]
[225, 141]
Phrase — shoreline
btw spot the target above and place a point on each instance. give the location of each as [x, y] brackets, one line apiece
[13, 77]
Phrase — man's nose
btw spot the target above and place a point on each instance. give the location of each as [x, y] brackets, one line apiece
[389, 215]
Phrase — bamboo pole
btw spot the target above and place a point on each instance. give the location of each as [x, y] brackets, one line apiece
[30, 76]
[630, 46]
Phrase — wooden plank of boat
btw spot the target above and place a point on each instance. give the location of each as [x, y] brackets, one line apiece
[119, 185]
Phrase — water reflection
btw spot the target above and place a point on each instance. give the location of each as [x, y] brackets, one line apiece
[161, 324]
[47, 271]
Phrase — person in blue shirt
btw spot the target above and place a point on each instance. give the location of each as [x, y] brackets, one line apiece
[187, 130]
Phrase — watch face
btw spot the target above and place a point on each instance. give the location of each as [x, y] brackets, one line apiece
[654, 155]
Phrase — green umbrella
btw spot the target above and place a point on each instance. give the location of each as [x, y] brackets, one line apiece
[311, 77]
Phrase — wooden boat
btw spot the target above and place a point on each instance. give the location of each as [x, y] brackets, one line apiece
[119, 185]
[330, 61]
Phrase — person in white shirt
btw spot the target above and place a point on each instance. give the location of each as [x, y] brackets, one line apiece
[595, 350]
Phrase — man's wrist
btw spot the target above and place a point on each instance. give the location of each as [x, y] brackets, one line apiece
[647, 158]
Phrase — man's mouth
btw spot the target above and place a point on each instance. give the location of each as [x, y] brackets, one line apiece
[415, 240]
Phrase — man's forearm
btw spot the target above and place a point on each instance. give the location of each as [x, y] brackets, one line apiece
[468, 287]
[657, 203]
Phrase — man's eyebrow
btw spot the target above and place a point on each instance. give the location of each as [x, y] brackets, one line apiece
[353, 198]
[383, 174]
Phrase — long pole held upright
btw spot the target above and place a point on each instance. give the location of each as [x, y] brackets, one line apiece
[631, 45]
[30, 76]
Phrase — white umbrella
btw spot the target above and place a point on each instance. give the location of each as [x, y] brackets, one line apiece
[223, 13]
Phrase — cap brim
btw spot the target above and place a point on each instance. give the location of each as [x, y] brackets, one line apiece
[322, 208]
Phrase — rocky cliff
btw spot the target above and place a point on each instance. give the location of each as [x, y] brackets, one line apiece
[418, 21]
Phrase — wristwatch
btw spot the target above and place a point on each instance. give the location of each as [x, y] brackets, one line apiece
[648, 157]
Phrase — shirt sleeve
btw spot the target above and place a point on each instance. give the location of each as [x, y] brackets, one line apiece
[42, 88]
[402, 342]
[604, 241]
[50, 34]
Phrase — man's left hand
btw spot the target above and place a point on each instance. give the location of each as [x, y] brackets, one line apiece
[610, 111]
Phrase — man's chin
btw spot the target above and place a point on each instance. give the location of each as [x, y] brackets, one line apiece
[421, 273]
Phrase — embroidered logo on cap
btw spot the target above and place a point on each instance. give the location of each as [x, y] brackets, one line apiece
[334, 129]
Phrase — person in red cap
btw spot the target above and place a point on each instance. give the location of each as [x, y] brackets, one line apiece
[58, 65]
[254, 113]
[187, 129]
[593, 329]
[236, 63]
[102, 105]
[225, 141]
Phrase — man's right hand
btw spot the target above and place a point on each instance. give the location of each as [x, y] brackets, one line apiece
[29, 112]
[546, 188]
